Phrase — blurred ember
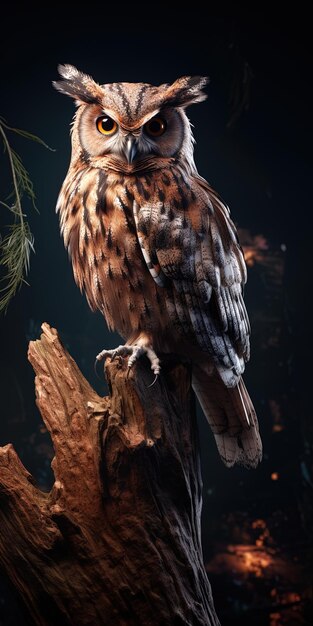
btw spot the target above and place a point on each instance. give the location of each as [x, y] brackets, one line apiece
[241, 559]
[274, 476]
[254, 247]
[278, 423]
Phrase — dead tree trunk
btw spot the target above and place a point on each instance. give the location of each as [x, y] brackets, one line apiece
[117, 540]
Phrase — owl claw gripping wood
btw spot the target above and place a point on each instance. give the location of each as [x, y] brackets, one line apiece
[154, 247]
[134, 352]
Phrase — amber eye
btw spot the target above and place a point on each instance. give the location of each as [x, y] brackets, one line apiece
[106, 125]
[155, 127]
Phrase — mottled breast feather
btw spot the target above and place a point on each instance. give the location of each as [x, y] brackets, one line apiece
[97, 223]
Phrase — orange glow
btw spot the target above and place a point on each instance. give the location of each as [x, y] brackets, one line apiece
[264, 536]
[274, 476]
[250, 256]
[249, 560]
[275, 619]
[276, 411]
[277, 428]
[254, 247]
[258, 523]
[256, 562]
[291, 597]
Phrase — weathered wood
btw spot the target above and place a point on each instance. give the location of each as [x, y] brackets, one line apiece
[117, 540]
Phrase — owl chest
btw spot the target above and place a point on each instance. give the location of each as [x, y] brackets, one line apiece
[115, 276]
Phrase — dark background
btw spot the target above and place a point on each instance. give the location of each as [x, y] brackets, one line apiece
[254, 146]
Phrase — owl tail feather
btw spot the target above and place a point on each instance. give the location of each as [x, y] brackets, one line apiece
[232, 418]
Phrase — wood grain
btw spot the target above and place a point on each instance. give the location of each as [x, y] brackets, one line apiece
[117, 540]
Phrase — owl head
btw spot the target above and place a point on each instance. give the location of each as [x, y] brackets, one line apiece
[124, 126]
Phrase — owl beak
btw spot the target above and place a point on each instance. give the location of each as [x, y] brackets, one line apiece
[131, 148]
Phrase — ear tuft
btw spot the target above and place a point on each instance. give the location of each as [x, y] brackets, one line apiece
[186, 90]
[68, 71]
[78, 85]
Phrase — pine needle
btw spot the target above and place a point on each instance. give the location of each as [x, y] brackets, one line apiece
[17, 245]
[15, 256]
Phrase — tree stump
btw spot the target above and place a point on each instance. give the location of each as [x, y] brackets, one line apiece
[117, 540]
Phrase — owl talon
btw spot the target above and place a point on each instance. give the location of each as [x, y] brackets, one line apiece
[138, 351]
[112, 354]
[95, 368]
[135, 352]
[154, 381]
[120, 351]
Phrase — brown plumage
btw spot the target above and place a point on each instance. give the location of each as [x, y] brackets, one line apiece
[154, 247]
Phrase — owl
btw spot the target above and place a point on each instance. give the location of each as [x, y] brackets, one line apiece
[153, 246]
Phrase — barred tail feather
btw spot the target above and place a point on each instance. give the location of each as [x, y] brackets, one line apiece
[232, 418]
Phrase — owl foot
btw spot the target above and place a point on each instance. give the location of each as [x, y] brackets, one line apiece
[134, 352]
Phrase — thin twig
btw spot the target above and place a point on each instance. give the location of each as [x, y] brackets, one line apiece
[16, 246]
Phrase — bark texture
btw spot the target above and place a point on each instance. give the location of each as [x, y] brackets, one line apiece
[117, 540]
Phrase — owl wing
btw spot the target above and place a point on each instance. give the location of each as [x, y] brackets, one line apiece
[191, 248]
